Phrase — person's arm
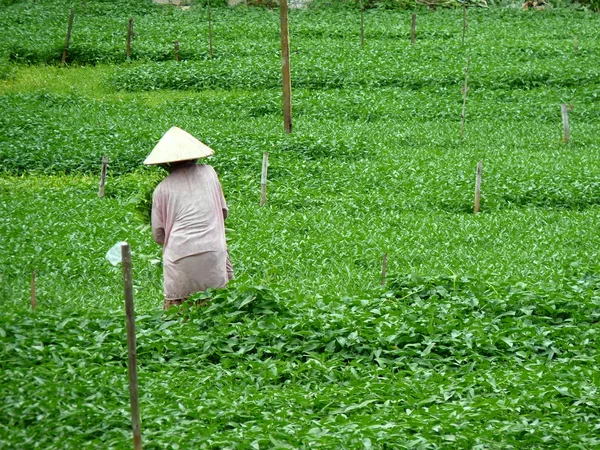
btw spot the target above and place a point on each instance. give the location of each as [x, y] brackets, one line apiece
[158, 226]
[224, 207]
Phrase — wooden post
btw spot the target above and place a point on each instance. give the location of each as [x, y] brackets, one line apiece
[565, 117]
[129, 36]
[263, 179]
[176, 50]
[413, 29]
[210, 37]
[131, 347]
[103, 177]
[465, 90]
[362, 24]
[285, 67]
[384, 269]
[68, 39]
[478, 187]
[464, 22]
[33, 296]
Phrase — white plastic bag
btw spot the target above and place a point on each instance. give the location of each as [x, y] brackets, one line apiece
[113, 256]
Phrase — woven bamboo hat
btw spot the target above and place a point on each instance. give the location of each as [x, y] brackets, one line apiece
[177, 145]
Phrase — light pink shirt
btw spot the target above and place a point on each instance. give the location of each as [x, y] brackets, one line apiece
[188, 211]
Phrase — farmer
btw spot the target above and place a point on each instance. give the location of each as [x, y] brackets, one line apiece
[188, 213]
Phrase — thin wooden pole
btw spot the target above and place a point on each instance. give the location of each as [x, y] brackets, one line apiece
[103, 177]
[565, 117]
[465, 90]
[68, 38]
[33, 295]
[285, 68]
[413, 29]
[478, 187]
[263, 179]
[210, 34]
[131, 347]
[129, 36]
[384, 269]
[464, 23]
[362, 24]
[176, 50]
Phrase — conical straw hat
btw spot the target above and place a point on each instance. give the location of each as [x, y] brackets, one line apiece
[177, 145]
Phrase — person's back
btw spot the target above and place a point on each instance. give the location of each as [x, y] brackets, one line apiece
[189, 206]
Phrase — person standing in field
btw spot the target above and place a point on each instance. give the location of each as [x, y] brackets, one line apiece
[188, 214]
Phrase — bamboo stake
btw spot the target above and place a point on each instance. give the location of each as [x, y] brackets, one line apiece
[565, 117]
[362, 24]
[413, 29]
[129, 36]
[176, 50]
[464, 22]
[263, 179]
[384, 269]
[285, 68]
[103, 177]
[465, 90]
[131, 347]
[33, 296]
[210, 36]
[68, 38]
[478, 187]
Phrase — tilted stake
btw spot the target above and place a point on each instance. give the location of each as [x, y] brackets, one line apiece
[413, 29]
[131, 347]
[464, 108]
[478, 187]
[565, 117]
[103, 177]
[464, 23]
[384, 269]
[362, 24]
[33, 296]
[285, 67]
[68, 38]
[263, 179]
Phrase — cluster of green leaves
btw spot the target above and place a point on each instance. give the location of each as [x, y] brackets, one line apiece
[430, 363]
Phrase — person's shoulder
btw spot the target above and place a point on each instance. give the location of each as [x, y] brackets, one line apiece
[205, 168]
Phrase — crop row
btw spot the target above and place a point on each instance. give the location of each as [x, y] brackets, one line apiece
[397, 367]
[35, 33]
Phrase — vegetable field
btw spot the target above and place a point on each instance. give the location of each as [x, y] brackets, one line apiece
[484, 333]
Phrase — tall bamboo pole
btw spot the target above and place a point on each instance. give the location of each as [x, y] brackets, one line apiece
[131, 346]
[285, 67]
[210, 32]
[129, 37]
[68, 38]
